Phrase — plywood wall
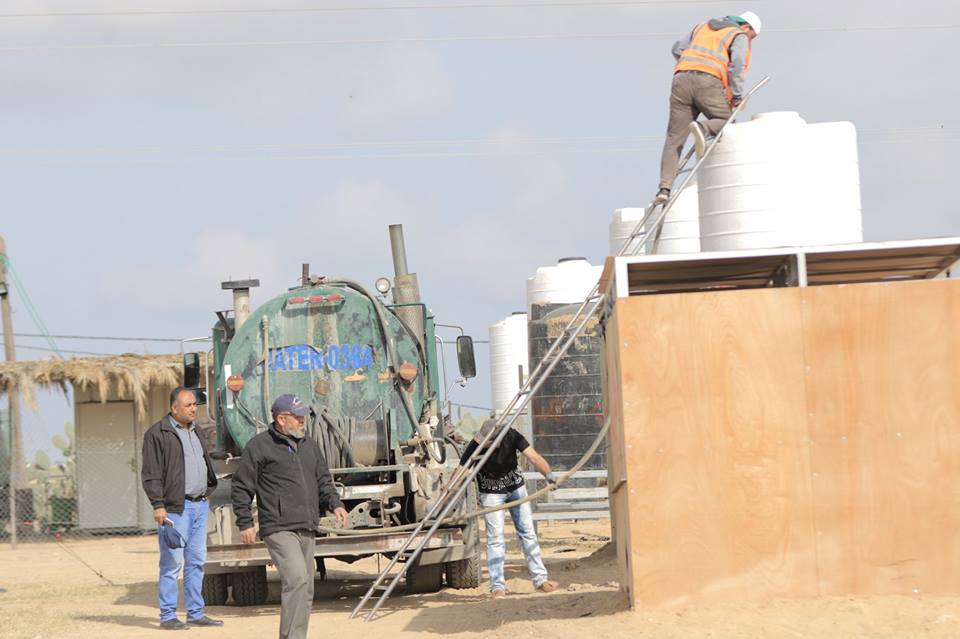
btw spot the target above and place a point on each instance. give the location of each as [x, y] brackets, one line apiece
[883, 381]
[786, 442]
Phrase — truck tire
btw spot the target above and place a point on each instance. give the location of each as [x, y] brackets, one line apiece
[250, 588]
[463, 573]
[214, 590]
[421, 579]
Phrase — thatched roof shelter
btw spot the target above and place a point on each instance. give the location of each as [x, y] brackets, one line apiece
[131, 376]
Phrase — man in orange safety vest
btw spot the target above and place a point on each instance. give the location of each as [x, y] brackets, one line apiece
[708, 78]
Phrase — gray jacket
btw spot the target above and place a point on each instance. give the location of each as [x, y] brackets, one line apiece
[738, 53]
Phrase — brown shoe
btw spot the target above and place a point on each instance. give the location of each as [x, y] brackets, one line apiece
[497, 594]
[547, 586]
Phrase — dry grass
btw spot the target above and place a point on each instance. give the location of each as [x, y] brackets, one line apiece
[131, 376]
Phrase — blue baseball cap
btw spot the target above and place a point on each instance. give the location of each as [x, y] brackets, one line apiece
[171, 536]
[289, 404]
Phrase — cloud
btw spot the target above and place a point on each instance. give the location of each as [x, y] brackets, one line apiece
[393, 85]
[192, 283]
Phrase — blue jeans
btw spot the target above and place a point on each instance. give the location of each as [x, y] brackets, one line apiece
[496, 548]
[192, 524]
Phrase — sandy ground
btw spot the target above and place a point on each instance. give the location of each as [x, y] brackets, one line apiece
[51, 593]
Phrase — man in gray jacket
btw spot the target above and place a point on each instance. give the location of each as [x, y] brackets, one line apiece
[712, 62]
[287, 473]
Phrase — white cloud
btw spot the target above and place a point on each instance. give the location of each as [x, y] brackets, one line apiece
[193, 283]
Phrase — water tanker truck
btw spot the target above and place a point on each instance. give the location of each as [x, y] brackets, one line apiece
[369, 371]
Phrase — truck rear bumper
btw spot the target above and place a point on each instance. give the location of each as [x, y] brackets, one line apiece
[447, 544]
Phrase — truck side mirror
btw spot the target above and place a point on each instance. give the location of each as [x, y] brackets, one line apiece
[465, 359]
[191, 370]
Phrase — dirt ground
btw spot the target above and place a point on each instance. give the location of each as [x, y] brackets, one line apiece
[52, 590]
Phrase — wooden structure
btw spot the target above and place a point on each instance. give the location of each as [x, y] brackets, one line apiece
[116, 399]
[785, 422]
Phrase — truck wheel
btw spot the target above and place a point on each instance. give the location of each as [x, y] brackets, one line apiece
[463, 573]
[250, 588]
[214, 590]
[425, 578]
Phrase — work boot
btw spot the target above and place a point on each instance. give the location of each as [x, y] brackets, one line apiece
[547, 586]
[699, 138]
[204, 621]
[174, 624]
[497, 594]
[663, 196]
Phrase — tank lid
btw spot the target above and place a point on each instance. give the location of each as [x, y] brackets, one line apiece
[571, 259]
[519, 313]
[778, 115]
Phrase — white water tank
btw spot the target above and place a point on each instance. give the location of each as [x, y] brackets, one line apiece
[621, 226]
[681, 228]
[568, 282]
[778, 181]
[508, 352]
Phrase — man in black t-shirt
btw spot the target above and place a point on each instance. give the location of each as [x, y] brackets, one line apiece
[501, 482]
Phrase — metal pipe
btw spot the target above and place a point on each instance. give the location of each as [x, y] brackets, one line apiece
[241, 300]
[399, 249]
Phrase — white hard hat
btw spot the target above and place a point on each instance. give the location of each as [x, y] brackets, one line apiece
[752, 19]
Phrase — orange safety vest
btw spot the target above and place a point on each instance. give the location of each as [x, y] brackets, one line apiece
[709, 52]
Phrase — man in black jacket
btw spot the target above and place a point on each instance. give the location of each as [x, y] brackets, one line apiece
[289, 476]
[177, 477]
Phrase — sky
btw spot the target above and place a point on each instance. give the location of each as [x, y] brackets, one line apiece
[146, 158]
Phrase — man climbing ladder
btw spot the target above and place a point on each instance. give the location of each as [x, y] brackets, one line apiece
[712, 62]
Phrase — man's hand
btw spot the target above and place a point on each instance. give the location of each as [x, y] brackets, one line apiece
[342, 517]
[248, 536]
[160, 515]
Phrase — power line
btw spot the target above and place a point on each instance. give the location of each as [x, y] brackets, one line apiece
[361, 8]
[449, 39]
[104, 338]
[407, 148]
[59, 351]
[28, 303]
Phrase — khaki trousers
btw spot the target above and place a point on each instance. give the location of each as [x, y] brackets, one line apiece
[292, 554]
[691, 94]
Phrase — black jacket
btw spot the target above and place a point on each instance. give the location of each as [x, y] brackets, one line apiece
[290, 479]
[162, 474]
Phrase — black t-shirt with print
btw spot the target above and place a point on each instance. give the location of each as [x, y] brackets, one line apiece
[500, 474]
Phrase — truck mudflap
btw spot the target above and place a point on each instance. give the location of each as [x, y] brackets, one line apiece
[447, 544]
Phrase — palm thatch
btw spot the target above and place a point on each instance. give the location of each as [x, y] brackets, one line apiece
[132, 376]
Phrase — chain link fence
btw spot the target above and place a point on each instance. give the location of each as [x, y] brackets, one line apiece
[81, 483]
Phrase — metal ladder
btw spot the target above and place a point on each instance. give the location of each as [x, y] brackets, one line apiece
[451, 495]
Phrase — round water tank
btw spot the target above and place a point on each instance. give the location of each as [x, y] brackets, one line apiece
[567, 410]
[567, 282]
[621, 226]
[777, 181]
[508, 353]
[680, 232]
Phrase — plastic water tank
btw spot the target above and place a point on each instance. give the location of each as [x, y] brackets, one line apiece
[680, 232]
[567, 410]
[777, 181]
[508, 352]
[621, 226]
[567, 282]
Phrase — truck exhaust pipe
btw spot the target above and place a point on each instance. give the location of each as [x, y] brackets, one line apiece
[241, 299]
[406, 289]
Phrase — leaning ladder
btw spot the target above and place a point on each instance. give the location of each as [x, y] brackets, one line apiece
[388, 579]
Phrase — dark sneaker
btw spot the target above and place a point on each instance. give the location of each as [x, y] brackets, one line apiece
[204, 621]
[663, 196]
[699, 138]
[173, 624]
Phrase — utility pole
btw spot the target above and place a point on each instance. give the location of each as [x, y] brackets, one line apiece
[13, 395]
